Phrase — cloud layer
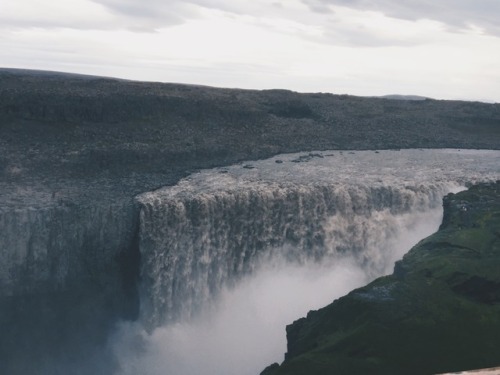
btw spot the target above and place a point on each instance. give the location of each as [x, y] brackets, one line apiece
[444, 48]
[347, 22]
[457, 14]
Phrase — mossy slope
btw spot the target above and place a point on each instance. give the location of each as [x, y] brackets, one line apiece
[438, 312]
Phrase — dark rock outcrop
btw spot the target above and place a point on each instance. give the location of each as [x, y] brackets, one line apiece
[438, 312]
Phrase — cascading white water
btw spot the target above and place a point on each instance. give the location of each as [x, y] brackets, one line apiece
[207, 240]
[192, 246]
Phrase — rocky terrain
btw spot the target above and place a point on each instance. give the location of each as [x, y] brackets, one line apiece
[75, 150]
[56, 126]
[438, 312]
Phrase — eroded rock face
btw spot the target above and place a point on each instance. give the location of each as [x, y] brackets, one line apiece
[67, 273]
[57, 247]
[438, 312]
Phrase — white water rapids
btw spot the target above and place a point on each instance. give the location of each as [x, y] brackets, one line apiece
[231, 255]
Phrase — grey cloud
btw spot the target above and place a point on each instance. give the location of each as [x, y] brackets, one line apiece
[161, 13]
[125, 14]
[457, 14]
[155, 14]
[145, 15]
[319, 6]
[148, 15]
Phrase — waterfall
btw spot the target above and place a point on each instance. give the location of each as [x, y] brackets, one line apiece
[216, 226]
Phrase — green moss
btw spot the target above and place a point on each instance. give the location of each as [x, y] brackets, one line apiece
[438, 312]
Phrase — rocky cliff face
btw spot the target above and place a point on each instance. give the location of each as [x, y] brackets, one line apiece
[67, 272]
[438, 312]
[76, 150]
[59, 247]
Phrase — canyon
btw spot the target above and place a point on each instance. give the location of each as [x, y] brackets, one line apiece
[84, 162]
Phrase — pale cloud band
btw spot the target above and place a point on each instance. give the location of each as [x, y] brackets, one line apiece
[458, 14]
[149, 15]
[441, 48]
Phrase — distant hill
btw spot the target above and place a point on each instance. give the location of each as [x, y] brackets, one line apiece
[405, 97]
[50, 74]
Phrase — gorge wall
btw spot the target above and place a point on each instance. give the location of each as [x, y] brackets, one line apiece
[76, 150]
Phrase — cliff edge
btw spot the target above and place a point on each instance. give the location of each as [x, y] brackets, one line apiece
[438, 312]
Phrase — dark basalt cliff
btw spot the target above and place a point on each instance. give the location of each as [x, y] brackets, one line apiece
[75, 150]
[438, 312]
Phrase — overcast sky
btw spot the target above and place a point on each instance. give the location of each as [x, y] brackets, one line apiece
[438, 48]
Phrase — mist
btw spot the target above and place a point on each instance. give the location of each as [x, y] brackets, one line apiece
[243, 329]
